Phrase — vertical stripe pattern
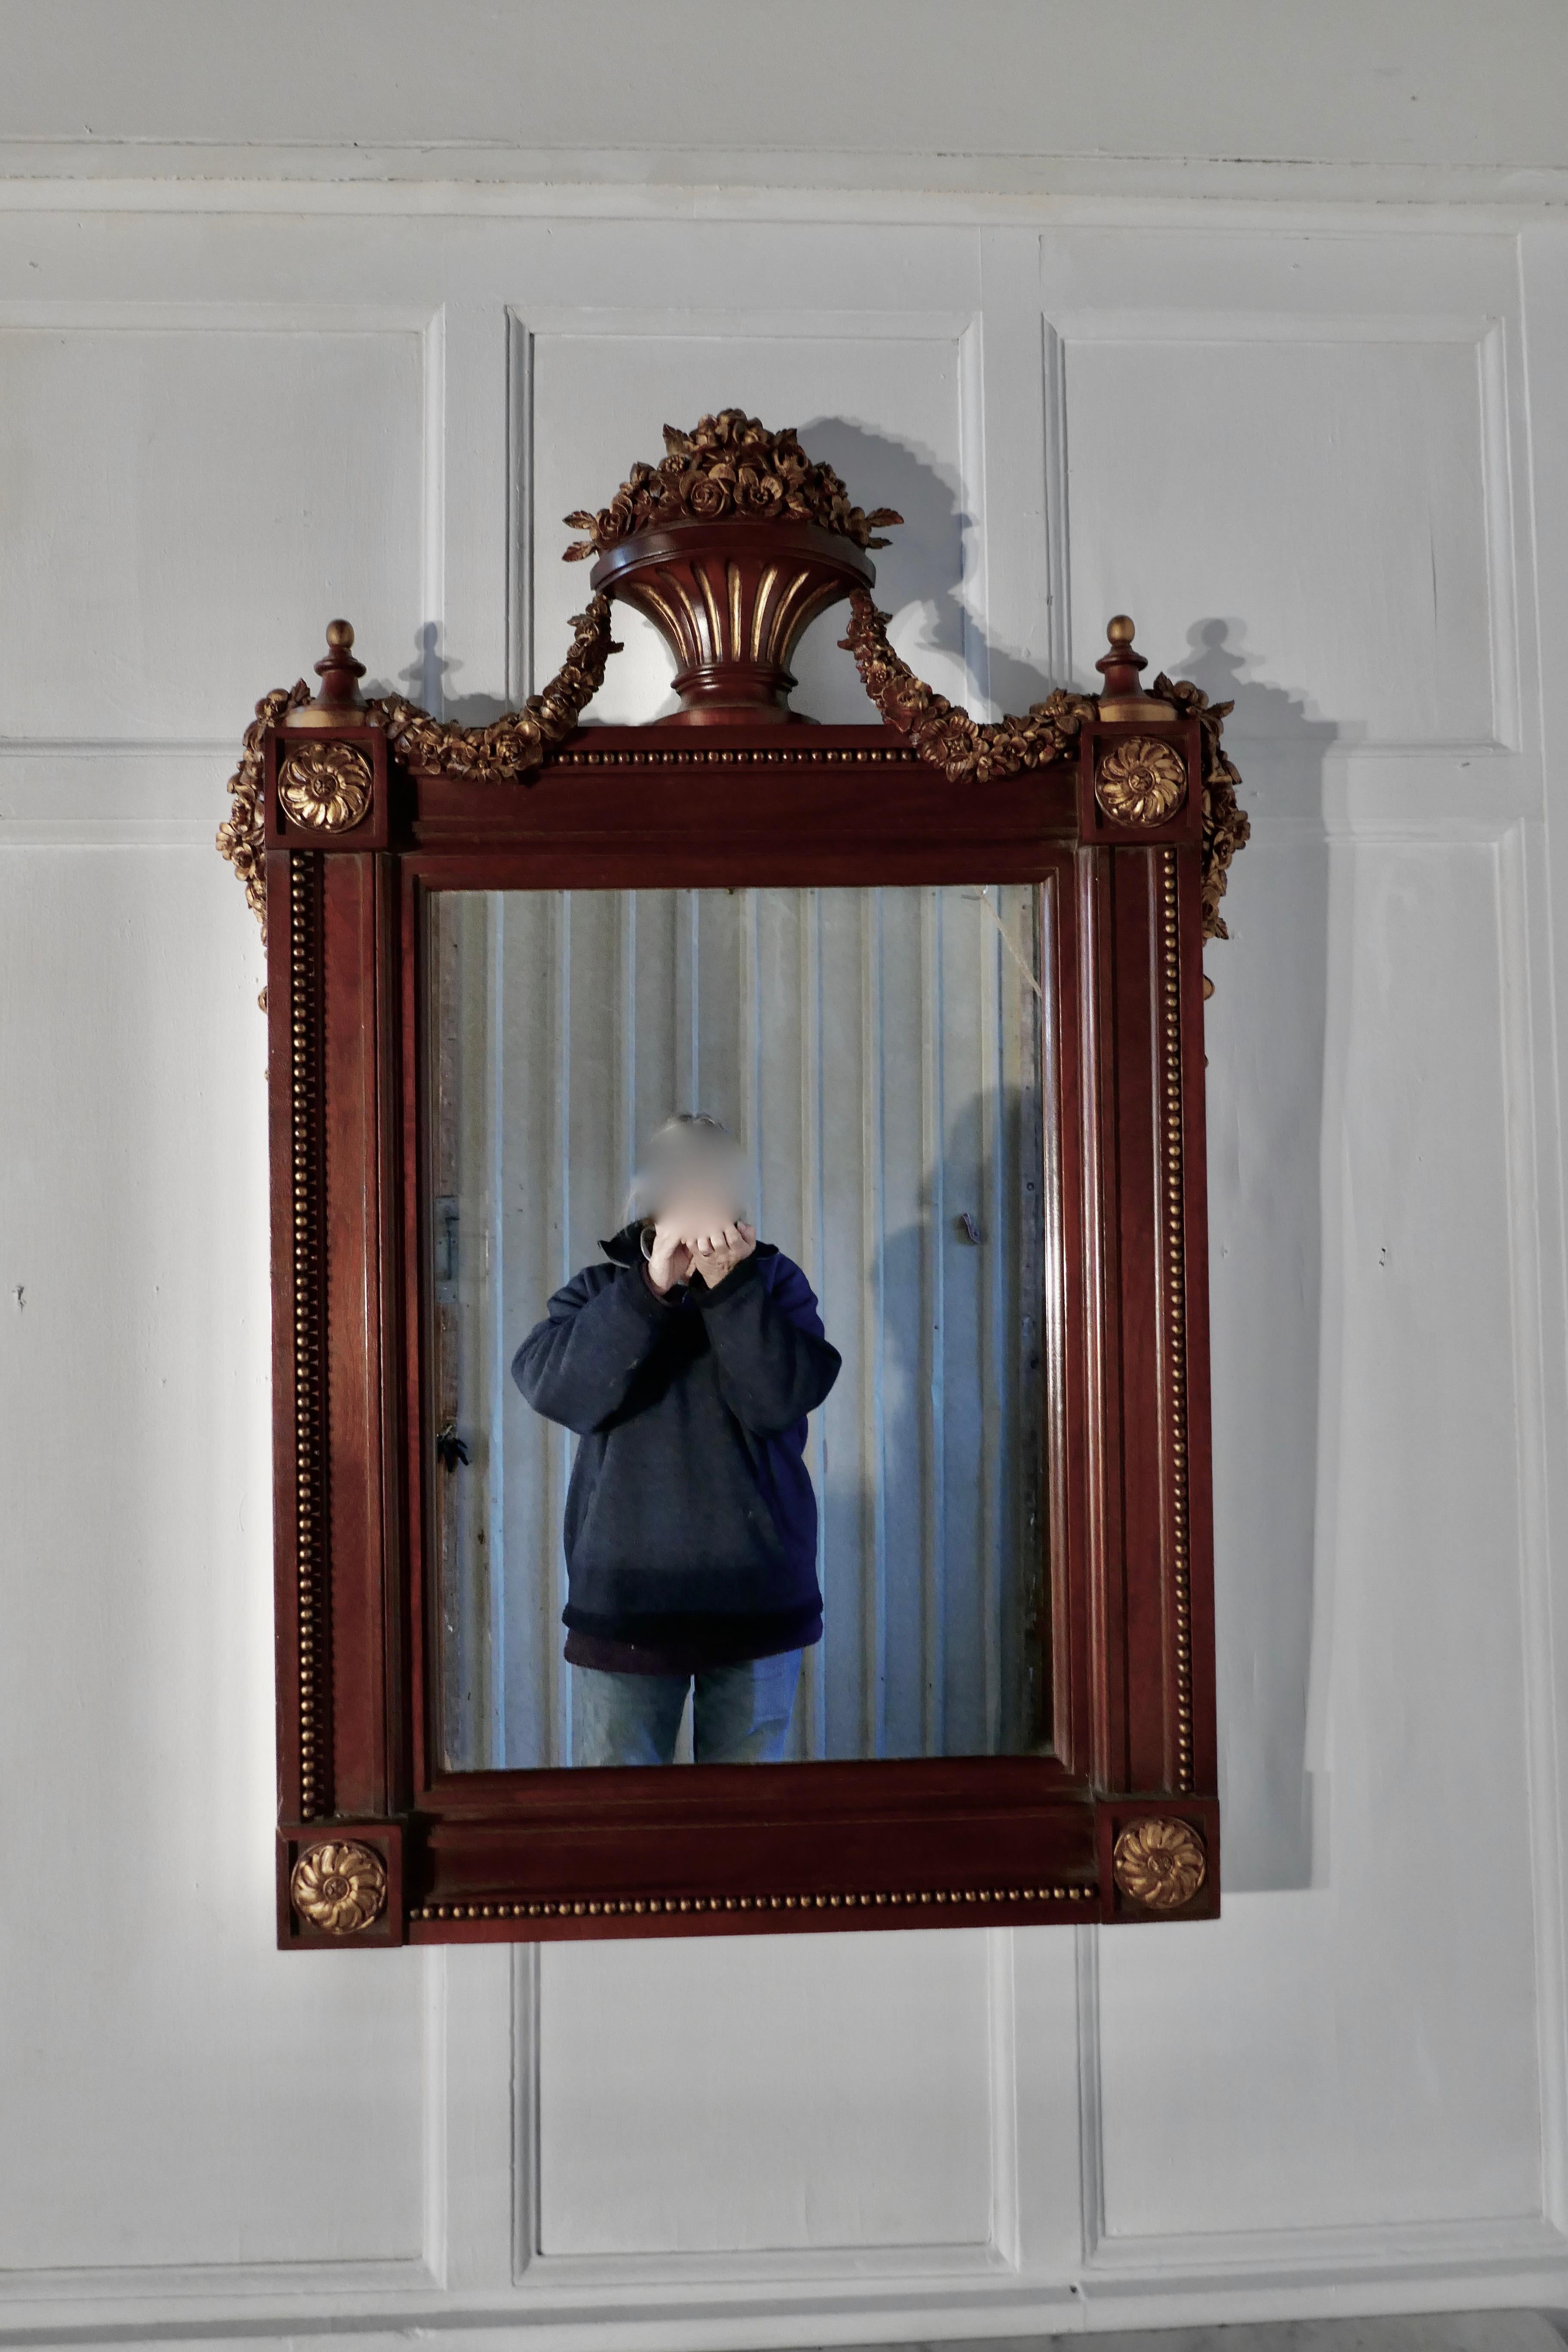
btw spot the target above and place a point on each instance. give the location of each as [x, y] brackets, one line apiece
[878, 1055]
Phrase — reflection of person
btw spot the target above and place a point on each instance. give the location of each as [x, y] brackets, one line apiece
[687, 1364]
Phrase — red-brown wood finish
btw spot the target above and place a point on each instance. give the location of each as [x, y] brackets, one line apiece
[478, 1856]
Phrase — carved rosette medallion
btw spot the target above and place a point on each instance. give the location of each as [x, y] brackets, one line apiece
[326, 785]
[339, 1889]
[1140, 781]
[1158, 1864]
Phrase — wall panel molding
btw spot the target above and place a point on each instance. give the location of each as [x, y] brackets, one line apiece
[990, 2261]
[1143, 329]
[786, 184]
[486, 279]
[145, 455]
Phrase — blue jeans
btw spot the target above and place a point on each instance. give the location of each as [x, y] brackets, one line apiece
[740, 1714]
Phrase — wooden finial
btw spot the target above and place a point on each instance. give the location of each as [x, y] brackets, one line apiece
[1123, 697]
[338, 702]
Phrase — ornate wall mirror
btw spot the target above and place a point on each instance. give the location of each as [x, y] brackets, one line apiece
[738, 1272]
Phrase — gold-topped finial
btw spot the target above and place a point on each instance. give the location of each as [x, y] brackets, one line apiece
[1123, 697]
[337, 702]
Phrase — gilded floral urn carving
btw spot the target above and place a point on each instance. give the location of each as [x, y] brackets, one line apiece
[731, 545]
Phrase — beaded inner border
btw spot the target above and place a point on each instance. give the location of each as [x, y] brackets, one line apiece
[641, 1907]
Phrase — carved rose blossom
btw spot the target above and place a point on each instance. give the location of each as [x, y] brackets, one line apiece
[1158, 1864]
[761, 494]
[235, 844]
[339, 1889]
[327, 786]
[705, 495]
[1140, 781]
[727, 463]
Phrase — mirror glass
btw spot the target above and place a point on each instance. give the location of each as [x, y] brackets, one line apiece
[737, 1254]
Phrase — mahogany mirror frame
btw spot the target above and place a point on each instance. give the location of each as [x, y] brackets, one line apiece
[346, 815]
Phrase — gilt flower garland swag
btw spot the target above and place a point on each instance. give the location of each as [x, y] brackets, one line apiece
[240, 837]
[514, 747]
[749, 471]
[728, 465]
[965, 750]
[511, 750]
[962, 748]
[1226, 825]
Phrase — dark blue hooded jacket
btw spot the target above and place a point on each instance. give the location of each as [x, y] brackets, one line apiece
[689, 1495]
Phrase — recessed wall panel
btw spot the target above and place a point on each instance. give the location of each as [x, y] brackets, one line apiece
[1307, 513]
[793, 2092]
[1360, 2048]
[176, 2090]
[183, 510]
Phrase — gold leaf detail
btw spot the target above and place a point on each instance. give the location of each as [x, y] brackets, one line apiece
[326, 785]
[240, 837]
[949, 738]
[512, 749]
[941, 734]
[728, 465]
[1226, 825]
[1140, 781]
[1158, 1864]
[339, 1889]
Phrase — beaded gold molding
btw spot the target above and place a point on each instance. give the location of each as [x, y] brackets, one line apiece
[1175, 1272]
[309, 1373]
[668, 1905]
[901, 755]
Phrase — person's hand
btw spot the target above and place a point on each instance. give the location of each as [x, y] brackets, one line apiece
[718, 1247]
[669, 1261]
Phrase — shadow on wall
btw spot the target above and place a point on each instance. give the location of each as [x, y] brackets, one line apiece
[925, 563]
[1265, 1034]
[427, 681]
[961, 1600]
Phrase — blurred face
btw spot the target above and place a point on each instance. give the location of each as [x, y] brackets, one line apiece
[690, 1174]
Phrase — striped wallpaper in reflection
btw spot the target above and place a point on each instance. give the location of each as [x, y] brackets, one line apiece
[877, 1052]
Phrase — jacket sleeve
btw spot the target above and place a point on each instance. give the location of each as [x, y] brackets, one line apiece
[577, 1366]
[775, 1364]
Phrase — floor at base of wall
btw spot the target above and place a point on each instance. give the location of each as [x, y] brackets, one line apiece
[1463, 2331]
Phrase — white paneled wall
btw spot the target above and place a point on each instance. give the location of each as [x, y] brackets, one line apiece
[1302, 450]
[122, 442]
[876, 1056]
